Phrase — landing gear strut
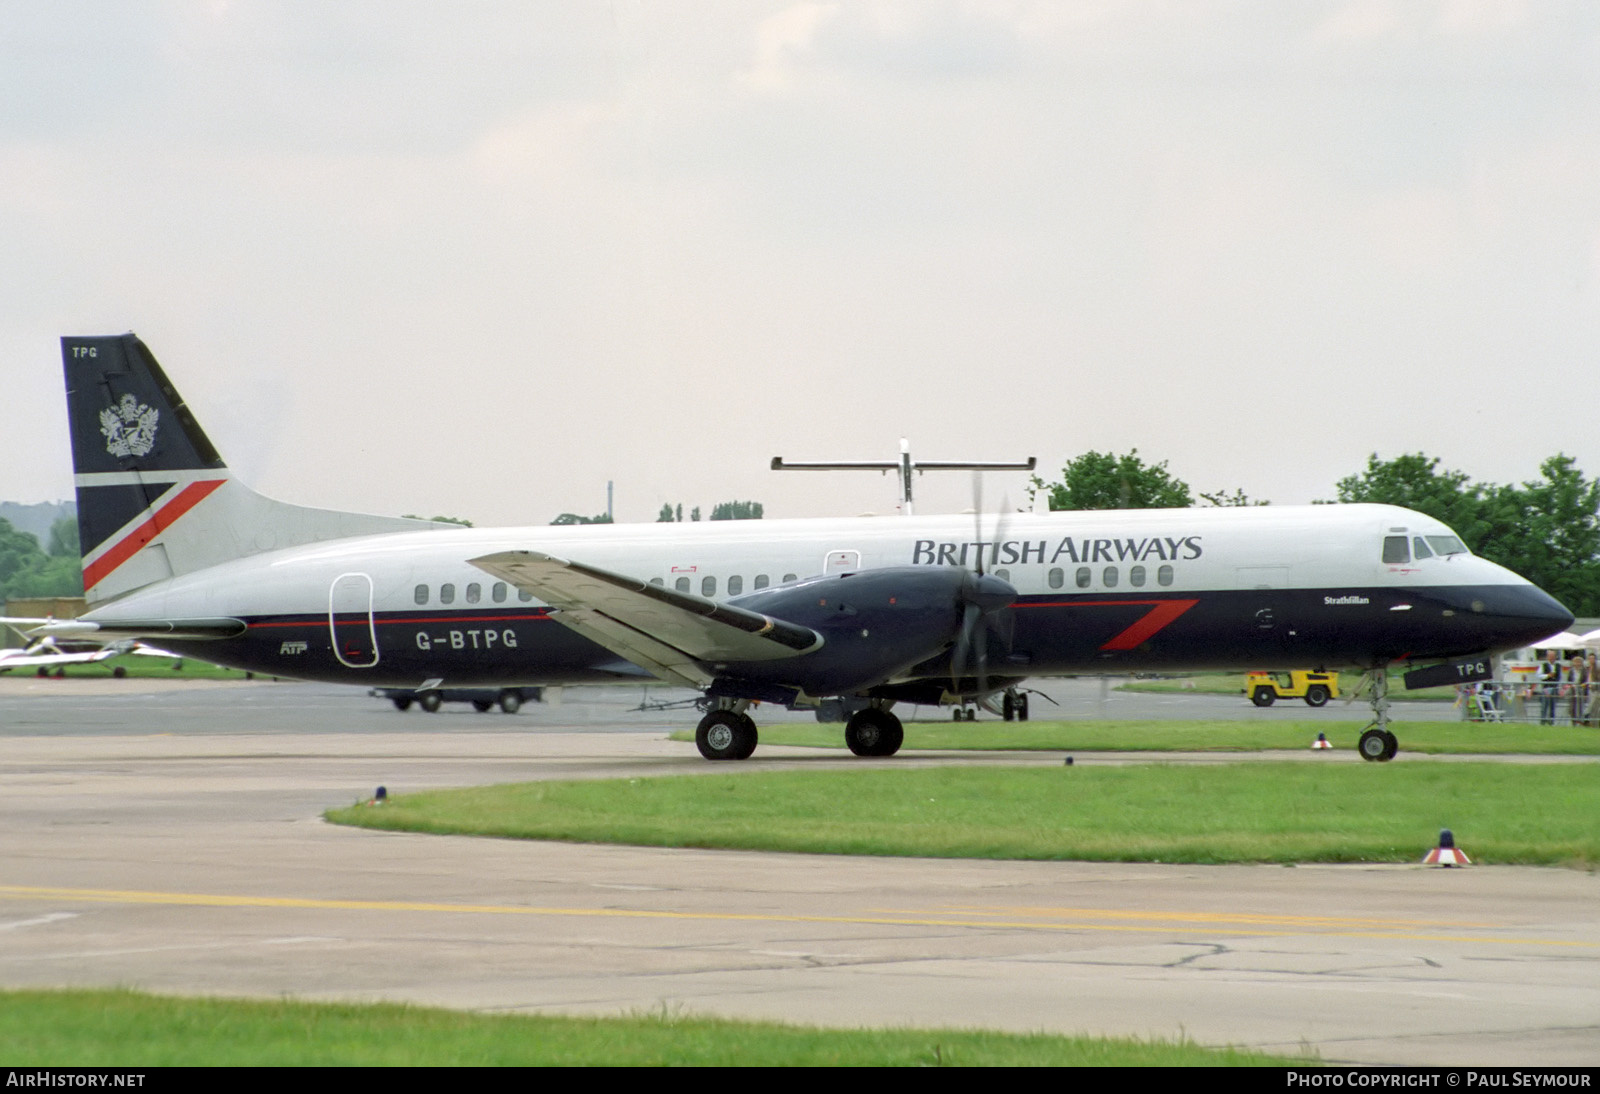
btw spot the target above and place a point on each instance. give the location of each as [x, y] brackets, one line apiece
[727, 733]
[874, 732]
[1377, 743]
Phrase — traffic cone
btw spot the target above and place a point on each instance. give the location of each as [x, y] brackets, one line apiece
[1321, 741]
[1446, 853]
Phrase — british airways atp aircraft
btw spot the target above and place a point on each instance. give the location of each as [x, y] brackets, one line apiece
[868, 611]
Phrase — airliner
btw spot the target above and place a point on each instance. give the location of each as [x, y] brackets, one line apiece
[864, 612]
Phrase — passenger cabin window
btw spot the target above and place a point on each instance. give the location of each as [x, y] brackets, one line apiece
[422, 594]
[760, 581]
[1164, 575]
[708, 586]
[524, 595]
[1110, 577]
[1396, 550]
[499, 592]
[1057, 578]
[1003, 575]
[447, 594]
[1082, 577]
[682, 584]
[657, 581]
[735, 585]
[474, 593]
[788, 578]
[1136, 576]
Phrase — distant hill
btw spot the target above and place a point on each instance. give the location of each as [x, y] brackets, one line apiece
[36, 519]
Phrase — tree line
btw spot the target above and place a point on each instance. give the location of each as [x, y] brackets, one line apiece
[1547, 529]
[26, 569]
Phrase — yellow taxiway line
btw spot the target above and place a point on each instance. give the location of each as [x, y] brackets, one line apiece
[1008, 918]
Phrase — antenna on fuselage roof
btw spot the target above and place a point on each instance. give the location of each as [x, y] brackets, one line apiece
[905, 465]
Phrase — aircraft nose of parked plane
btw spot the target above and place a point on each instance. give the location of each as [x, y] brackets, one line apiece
[1523, 614]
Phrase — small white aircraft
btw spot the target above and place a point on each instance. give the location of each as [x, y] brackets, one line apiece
[867, 612]
[45, 652]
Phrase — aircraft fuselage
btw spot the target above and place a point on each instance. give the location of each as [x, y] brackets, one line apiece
[1112, 592]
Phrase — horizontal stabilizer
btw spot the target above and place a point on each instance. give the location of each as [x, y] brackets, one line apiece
[187, 630]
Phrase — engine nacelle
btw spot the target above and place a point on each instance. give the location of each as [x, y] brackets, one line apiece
[875, 624]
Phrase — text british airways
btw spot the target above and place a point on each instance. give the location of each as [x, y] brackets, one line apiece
[928, 552]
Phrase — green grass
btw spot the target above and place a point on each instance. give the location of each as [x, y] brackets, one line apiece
[1545, 814]
[1096, 735]
[128, 1029]
[1232, 683]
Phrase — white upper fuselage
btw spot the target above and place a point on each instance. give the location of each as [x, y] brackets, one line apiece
[1165, 551]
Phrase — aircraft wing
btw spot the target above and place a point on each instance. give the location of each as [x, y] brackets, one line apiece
[673, 635]
[26, 659]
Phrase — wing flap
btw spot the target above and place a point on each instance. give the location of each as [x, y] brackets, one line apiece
[674, 635]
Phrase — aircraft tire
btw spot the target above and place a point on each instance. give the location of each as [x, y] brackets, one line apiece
[430, 701]
[724, 735]
[747, 749]
[874, 733]
[1374, 745]
[510, 702]
[482, 705]
[1263, 697]
[1022, 708]
[1391, 745]
[1316, 696]
[401, 703]
[119, 672]
[1008, 707]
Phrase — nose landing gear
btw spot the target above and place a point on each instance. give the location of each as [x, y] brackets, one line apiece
[1377, 743]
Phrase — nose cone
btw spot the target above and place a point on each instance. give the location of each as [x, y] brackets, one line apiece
[1520, 615]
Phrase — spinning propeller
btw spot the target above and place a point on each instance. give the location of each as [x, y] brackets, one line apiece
[985, 606]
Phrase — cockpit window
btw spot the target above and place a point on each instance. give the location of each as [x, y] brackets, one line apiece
[1419, 547]
[1447, 545]
[1396, 549]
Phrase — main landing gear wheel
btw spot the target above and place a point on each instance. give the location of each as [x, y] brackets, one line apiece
[1316, 696]
[430, 701]
[724, 735]
[1014, 706]
[873, 732]
[1378, 745]
[510, 702]
[482, 705]
[401, 703]
[1263, 697]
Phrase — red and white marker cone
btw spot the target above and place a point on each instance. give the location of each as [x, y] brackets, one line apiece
[1321, 741]
[1446, 853]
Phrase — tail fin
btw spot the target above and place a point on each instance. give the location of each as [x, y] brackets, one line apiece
[155, 500]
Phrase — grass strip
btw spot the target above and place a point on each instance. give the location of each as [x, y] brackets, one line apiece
[1544, 814]
[1095, 735]
[130, 1029]
[1233, 683]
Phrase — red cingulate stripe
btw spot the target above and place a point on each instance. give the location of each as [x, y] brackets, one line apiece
[160, 520]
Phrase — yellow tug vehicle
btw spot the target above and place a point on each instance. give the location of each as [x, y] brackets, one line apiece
[1316, 688]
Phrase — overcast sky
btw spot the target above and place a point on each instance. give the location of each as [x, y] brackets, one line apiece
[477, 259]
